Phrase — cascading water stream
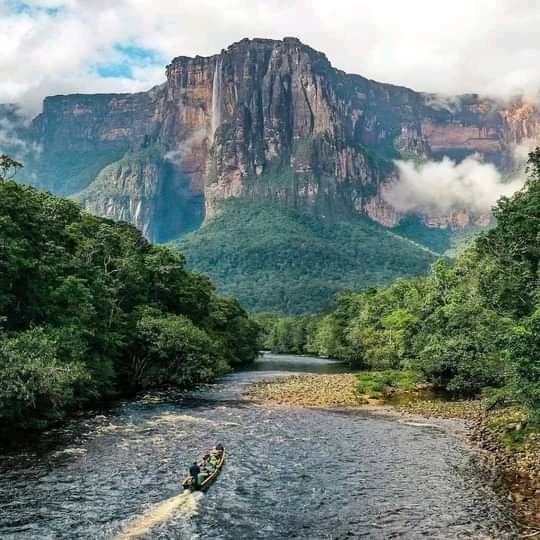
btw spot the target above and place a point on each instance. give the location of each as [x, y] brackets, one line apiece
[216, 98]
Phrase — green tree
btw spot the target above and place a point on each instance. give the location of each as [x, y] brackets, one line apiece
[36, 384]
[118, 313]
[8, 167]
[170, 349]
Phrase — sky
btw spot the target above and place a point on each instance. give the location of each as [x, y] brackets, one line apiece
[61, 46]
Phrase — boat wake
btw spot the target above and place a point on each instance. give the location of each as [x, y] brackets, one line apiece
[185, 504]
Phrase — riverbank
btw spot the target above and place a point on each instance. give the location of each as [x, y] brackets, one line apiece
[509, 452]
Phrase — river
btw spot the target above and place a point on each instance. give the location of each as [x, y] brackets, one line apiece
[291, 472]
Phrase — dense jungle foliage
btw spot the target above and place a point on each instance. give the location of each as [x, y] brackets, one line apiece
[275, 259]
[466, 327]
[89, 310]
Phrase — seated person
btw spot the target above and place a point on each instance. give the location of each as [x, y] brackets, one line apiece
[206, 463]
[194, 472]
[217, 451]
[201, 477]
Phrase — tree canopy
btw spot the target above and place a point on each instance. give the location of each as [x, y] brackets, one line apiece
[89, 309]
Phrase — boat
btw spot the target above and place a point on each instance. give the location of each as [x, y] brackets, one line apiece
[209, 480]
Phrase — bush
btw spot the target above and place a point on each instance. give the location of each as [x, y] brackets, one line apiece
[36, 384]
[375, 384]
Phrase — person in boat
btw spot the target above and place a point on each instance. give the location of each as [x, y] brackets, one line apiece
[207, 463]
[201, 477]
[217, 451]
[194, 472]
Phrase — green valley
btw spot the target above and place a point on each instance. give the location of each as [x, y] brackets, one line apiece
[275, 259]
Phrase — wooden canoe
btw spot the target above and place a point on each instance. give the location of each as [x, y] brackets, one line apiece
[209, 480]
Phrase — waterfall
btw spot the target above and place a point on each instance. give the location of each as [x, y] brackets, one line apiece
[216, 98]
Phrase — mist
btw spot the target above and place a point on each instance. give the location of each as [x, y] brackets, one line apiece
[11, 141]
[443, 187]
[185, 148]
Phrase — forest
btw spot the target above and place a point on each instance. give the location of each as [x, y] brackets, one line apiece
[90, 310]
[471, 327]
[274, 258]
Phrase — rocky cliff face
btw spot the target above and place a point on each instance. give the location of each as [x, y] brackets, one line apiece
[266, 120]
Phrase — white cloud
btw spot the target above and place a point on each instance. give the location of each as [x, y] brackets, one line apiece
[443, 187]
[12, 143]
[485, 46]
[520, 152]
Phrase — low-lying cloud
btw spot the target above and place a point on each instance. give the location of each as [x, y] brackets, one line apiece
[443, 187]
[12, 143]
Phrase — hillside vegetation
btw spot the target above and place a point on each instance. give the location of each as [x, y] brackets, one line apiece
[449, 241]
[275, 259]
[89, 309]
[471, 327]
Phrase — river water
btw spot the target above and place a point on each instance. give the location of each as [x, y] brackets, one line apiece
[291, 472]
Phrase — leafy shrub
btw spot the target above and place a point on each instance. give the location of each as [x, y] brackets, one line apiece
[36, 384]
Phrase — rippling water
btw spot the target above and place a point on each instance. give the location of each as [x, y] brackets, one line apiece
[291, 473]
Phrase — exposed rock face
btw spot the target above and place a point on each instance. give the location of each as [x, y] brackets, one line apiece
[148, 191]
[263, 119]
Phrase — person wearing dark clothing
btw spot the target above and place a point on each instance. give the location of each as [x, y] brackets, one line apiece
[194, 471]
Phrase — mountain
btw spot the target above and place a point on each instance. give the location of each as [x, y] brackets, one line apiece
[265, 122]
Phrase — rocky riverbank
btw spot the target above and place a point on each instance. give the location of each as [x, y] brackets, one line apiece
[509, 451]
[309, 391]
